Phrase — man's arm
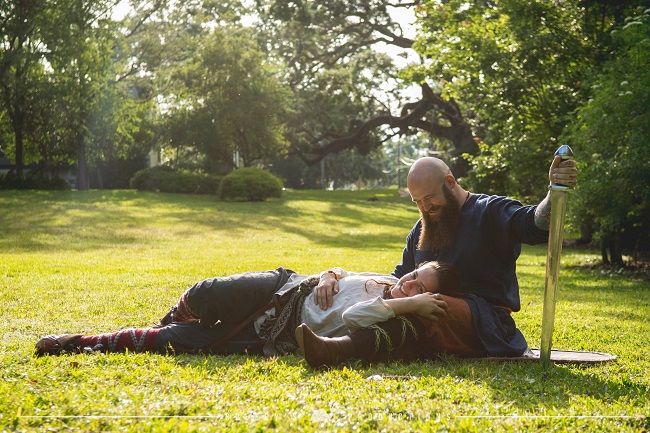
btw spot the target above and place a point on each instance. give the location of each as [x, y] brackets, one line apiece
[543, 213]
[408, 254]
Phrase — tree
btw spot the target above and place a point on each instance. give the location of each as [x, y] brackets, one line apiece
[320, 43]
[20, 54]
[106, 107]
[59, 57]
[512, 63]
[121, 132]
[227, 102]
[611, 132]
[518, 67]
[80, 52]
[243, 98]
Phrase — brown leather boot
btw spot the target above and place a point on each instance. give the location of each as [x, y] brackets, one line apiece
[323, 351]
[57, 344]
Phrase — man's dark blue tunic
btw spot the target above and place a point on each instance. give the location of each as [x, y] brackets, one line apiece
[485, 251]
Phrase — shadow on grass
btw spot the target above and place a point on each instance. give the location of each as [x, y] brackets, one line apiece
[529, 385]
[78, 221]
[516, 387]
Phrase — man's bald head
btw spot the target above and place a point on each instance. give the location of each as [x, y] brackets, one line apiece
[427, 171]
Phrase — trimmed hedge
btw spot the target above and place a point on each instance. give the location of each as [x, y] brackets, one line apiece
[250, 184]
[11, 180]
[165, 179]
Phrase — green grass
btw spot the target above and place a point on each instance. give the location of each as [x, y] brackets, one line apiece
[98, 261]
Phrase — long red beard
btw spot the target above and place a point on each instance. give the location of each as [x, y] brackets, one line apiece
[439, 234]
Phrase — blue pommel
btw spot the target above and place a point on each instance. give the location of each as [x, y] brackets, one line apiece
[564, 151]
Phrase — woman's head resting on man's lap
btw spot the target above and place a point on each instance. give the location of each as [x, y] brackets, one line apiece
[432, 277]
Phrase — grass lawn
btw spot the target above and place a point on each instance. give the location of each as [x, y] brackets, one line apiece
[100, 261]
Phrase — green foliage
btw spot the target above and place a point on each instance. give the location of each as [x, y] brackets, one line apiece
[138, 252]
[517, 68]
[82, 65]
[149, 179]
[250, 184]
[337, 80]
[225, 99]
[22, 76]
[295, 174]
[611, 134]
[165, 179]
[67, 58]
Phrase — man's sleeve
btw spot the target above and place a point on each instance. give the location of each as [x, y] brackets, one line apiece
[408, 254]
[513, 220]
[523, 224]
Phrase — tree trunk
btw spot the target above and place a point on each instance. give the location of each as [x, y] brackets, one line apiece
[603, 252]
[17, 117]
[83, 183]
[100, 179]
[18, 132]
[463, 141]
[617, 255]
[82, 164]
[611, 252]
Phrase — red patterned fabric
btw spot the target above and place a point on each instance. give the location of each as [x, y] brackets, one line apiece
[135, 340]
[184, 311]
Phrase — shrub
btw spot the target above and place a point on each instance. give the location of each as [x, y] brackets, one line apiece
[165, 179]
[250, 184]
[208, 183]
[149, 178]
[11, 180]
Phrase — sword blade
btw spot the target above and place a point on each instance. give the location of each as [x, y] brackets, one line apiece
[559, 197]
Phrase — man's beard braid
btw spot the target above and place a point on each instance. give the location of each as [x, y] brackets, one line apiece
[437, 235]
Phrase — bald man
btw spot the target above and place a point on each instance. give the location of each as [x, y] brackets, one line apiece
[479, 235]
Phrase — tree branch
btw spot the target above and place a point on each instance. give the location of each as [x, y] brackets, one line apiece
[424, 115]
[143, 19]
[399, 41]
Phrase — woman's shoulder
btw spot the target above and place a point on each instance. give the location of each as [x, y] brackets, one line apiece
[368, 276]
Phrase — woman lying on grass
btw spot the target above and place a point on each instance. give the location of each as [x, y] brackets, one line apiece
[234, 315]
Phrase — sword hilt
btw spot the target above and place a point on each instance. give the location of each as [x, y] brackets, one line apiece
[565, 153]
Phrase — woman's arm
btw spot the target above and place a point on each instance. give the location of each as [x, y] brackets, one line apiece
[428, 305]
[364, 314]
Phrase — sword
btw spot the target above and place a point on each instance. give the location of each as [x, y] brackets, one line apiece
[559, 196]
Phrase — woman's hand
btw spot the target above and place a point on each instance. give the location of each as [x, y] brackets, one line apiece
[429, 305]
[324, 292]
